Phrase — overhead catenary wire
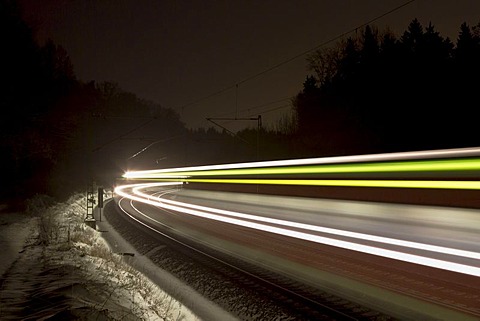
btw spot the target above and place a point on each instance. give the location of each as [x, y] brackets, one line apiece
[251, 108]
[123, 135]
[274, 109]
[235, 85]
[286, 61]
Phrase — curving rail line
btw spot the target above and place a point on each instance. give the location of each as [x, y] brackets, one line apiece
[450, 233]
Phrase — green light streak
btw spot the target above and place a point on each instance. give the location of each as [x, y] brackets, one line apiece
[464, 185]
[387, 167]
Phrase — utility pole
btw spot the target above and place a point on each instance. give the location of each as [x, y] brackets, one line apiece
[259, 125]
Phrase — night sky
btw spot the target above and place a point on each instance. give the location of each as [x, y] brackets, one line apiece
[178, 52]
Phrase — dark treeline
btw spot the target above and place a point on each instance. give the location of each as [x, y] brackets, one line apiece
[379, 93]
[371, 93]
[376, 92]
[57, 133]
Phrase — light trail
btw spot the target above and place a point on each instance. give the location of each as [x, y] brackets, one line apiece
[361, 236]
[473, 185]
[239, 219]
[391, 167]
[405, 156]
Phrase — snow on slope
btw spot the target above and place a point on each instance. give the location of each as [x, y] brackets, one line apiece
[55, 267]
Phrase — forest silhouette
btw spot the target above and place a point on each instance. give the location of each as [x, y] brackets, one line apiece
[373, 92]
[380, 93]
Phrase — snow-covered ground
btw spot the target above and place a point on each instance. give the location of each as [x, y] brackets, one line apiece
[54, 267]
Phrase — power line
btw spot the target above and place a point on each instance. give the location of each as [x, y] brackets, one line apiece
[273, 109]
[296, 56]
[250, 109]
[123, 135]
[268, 70]
[324, 43]
[153, 143]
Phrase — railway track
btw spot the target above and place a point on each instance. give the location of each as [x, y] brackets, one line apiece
[243, 288]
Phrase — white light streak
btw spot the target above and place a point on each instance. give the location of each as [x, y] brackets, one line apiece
[237, 218]
[459, 152]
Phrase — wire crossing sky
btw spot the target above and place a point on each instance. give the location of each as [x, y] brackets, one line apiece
[191, 55]
[302, 54]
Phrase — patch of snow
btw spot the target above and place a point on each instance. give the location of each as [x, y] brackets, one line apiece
[15, 228]
[203, 308]
[55, 258]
